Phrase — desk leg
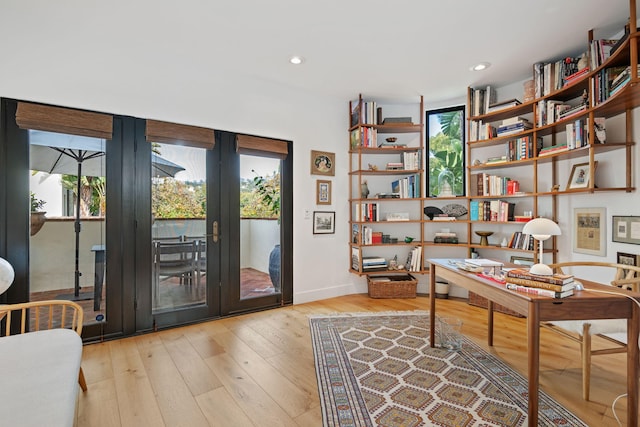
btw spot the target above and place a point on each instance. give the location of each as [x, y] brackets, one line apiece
[633, 329]
[533, 345]
[490, 323]
[432, 306]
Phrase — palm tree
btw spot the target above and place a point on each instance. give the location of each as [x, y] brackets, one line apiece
[445, 151]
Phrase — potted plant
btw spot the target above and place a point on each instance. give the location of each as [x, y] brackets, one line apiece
[37, 214]
[269, 191]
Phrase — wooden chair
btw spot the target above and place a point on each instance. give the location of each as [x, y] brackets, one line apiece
[581, 331]
[48, 314]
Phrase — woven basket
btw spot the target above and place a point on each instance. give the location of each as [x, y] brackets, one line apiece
[396, 287]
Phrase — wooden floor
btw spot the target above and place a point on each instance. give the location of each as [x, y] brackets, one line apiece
[258, 369]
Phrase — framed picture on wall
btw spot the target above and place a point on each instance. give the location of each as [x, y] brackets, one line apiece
[323, 192]
[589, 231]
[323, 163]
[324, 222]
[626, 229]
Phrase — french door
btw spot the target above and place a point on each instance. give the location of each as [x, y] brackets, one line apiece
[195, 249]
[162, 186]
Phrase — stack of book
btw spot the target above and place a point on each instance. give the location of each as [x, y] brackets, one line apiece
[445, 237]
[513, 125]
[552, 149]
[497, 106]
[555, 286]
[374, 264]
[577, 76]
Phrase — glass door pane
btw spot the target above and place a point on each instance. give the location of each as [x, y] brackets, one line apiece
[178, 229]
[260, 262]
[68, 212]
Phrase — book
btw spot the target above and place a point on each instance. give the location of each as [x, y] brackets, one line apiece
[538, 291]
[497, 106]
[373, 260]
[542, 285]
[483, 262]
[355, 259]
[557, 279]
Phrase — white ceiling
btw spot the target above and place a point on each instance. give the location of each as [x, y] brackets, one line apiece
[379, 48]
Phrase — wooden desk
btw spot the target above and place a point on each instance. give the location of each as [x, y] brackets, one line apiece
[583, 305]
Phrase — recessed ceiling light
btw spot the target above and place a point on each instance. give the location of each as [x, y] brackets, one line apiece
[296, 60]
[481, 66]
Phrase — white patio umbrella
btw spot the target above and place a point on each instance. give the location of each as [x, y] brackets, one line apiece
[58, 153]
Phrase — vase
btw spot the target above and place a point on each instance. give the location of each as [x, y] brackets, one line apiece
[37, 221]
[274, 268]
[364, 190]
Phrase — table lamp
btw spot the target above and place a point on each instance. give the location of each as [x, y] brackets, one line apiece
[541, 229]
[6, 275]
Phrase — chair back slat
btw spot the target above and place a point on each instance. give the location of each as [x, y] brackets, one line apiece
[48, 314]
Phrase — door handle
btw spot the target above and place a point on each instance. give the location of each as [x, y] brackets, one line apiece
[215, 231]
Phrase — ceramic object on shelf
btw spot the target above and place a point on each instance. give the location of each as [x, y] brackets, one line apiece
[432, 211]
[484, 241]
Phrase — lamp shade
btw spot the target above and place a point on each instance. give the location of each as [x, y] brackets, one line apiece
[540, 227]
[6, 275]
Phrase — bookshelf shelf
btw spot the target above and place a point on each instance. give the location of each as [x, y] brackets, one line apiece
[542, 177]
[368, 147]
[543, 174]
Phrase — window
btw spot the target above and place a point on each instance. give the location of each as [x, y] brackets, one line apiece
[445, 152]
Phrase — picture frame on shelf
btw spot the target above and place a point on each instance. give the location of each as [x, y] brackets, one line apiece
[589, 231]
[323, 192]
[324, 222]
[323, 163]
[521, 260]
[627, 259]
[626, 229]
[581, 176]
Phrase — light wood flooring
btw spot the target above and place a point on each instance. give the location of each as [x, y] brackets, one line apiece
[258, 370]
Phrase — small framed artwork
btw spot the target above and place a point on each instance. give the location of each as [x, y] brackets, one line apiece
[323, 163]
[520, 260]
[627, 259]
[324, 222]
[626, 229]
[323, 192]
[581, 176]
[589, 231]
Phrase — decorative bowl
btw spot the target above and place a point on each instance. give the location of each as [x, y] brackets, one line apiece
[483, 237]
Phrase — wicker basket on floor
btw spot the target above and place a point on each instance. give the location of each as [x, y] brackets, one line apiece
[392, 286]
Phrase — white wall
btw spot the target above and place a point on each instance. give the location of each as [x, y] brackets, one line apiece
[257, 107]
[111, 82]
[257, 239]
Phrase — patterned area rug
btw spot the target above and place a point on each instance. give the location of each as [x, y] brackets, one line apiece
[378, 370]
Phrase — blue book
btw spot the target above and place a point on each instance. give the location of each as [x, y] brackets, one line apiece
[473, 210]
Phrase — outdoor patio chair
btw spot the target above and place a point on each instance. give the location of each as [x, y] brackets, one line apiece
[611, 330]
[174, 259]
[201, 255]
